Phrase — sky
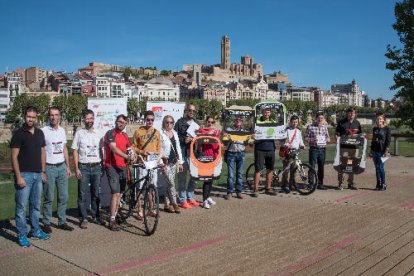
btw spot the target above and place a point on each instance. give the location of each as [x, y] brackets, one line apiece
[317, 43]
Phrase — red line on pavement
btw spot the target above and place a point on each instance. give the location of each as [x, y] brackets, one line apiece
[7, 253]
[312, 259]
[408, 205]
[343, 199]
[152, 259]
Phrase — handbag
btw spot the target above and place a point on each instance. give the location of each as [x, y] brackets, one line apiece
[284, 149]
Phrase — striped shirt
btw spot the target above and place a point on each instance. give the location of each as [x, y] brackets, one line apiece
[317, 135]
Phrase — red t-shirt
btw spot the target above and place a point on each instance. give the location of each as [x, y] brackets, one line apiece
[122, 142]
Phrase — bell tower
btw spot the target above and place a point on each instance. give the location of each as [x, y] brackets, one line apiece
[225, 52]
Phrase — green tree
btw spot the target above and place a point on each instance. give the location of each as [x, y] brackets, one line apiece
[42, 103]
[402, 60]
[60, 102]
[75, 105]
[14, 114]
[133, 107]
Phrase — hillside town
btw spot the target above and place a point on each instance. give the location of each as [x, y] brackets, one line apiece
[224, 82]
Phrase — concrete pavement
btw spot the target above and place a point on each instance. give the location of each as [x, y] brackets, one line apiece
[362, 232]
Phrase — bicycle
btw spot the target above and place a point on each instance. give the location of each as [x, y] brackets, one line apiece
[131, 196]
[305, 177]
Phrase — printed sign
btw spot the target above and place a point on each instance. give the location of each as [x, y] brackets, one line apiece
[275, 126]
[106, 111]
[160, 109]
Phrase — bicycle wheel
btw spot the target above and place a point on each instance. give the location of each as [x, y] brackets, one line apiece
[305, 180]
[250, 178]
[151, 209]
[125, 209]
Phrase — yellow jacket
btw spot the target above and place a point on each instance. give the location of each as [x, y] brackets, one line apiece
[141, 137]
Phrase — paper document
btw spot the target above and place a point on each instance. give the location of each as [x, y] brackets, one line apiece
[191, 131]
[385, 158]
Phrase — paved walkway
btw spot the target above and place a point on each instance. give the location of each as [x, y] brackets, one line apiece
[331, 232]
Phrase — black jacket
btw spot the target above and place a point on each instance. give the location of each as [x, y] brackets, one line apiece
[381, 138]
[344, 126]
[181, 127]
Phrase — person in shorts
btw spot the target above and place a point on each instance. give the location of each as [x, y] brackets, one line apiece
[116, 144]
[264, 156]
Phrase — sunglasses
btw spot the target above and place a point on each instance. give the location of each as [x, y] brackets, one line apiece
[150, 120]
[169, 123]
[191, 110]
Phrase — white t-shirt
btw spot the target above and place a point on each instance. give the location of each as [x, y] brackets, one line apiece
[87, 143]
[297, 141]
[55, 143]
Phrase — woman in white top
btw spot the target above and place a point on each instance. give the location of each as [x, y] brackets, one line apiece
[294, 141]
[171, 150]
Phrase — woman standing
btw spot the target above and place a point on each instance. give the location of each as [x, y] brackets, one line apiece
[171, 150]
[209, 150]
[381, 138]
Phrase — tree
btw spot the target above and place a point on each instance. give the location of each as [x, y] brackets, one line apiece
[75, 105]
[14, 114]
[402, 60]
[60, 102]
[133, 108]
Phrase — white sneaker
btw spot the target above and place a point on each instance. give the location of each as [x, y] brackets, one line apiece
[211, 201]
[206, 205]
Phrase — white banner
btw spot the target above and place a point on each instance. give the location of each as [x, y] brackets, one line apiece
[106, 111]
[160, 109]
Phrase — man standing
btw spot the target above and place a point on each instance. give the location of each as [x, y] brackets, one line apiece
[57, 172]
[317, 137]
[116, 143]
[186, 196]
[346, 127]
[264, 154]
[87, 160]
[28, 162]
[147, 143]
[235, 161]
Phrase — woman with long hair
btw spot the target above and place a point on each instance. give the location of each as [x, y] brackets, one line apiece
[381, 138]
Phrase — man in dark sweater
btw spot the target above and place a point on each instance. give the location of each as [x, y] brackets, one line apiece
[347, 127]
[186, 194]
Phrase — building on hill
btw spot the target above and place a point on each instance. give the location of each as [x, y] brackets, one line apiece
[348, 93]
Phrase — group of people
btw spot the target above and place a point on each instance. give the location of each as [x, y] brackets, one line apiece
[40, 161]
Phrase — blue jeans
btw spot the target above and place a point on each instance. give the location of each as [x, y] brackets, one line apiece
[55, 175]
[183, 193]
[89, 184]
[379, 167]
[235, 166]
[32, 192]
[317, 157]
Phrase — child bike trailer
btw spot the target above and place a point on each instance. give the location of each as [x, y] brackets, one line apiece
[350, 154]
[205, 158]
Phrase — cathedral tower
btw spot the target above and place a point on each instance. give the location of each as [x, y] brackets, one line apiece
[225, 52]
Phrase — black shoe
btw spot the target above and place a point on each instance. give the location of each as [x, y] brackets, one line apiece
[270, 192]
[321, 187]
[286, 189]
[47, 229]
[352, 187]
[65, 227]
[98, 221]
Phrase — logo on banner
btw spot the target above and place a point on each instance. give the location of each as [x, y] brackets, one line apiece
[157, 112]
